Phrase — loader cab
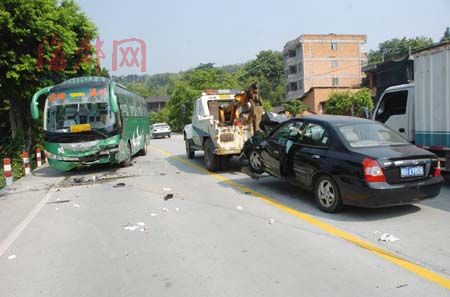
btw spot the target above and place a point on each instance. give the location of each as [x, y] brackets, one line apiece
[395, 109]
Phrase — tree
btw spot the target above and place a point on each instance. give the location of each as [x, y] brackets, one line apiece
[181, 105]
[395, 47]
[266, 105]
[362, 101]
[206, 76]
[268, 70]
[346, 103]
[161, 116]
[339, 103]
[295, 107]
[23, 28]
[446, 37]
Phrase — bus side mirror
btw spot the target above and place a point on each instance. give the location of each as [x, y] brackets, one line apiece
[113, 98]
[35, 103]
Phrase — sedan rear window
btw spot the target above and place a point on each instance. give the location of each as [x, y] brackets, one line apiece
[370, 134]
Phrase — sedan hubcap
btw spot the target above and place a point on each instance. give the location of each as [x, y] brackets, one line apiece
[326, 193]
[255, 160]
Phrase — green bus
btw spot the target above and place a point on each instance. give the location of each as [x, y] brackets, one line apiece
[92, 120]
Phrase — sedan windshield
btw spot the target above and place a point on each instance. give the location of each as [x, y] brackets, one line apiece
[370, 134]
[77, 110]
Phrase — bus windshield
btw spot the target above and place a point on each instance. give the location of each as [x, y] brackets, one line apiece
[72, 110]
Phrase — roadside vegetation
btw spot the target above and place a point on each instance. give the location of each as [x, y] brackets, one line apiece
[23, 31]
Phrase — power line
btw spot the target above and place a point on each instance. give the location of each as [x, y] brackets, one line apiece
[256, 66]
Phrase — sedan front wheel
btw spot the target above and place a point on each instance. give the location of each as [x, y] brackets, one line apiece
[255, 161]
[327, 196]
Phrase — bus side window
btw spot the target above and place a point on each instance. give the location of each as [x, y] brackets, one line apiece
[139, 105]
[123, 102]
[144, 109]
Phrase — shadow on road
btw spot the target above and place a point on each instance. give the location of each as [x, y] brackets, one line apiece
[292, 196]
[95, 169]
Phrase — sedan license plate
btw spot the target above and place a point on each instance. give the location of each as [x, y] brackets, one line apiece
[411, 171]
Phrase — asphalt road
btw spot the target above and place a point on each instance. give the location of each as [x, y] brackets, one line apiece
[64, 234]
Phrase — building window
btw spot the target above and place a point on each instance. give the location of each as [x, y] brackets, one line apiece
[334, 46]
[293, 69]
[287, 89]
[292, 53]
[293, 86]
[300, 67]
[300, 84]
[335, 81]
[334, 64]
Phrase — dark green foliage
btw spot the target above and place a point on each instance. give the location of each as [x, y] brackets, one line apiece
[341, 103]
[295, 107]
[446, 37]
[24, 25]
[396, 47]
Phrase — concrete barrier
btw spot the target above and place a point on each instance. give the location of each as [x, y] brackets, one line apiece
[8, 171]
[26, 162]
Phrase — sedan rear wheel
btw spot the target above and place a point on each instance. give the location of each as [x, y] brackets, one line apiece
[255, 161]
[327, 195]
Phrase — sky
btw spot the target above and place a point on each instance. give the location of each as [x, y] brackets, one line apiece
[181, 34]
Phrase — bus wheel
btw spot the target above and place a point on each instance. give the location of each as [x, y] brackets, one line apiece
[143, 151]
[127, 161]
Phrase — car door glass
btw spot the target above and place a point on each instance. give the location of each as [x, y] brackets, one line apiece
[295, 130]
[294, 135]
[282, 134]
[315, 135]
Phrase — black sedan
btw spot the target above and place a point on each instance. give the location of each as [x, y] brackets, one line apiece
[346, 160]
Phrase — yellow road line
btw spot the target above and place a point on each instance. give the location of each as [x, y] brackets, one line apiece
[415, 268]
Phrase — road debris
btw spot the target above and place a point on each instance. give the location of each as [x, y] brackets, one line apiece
[78, 180]
[168, 196]
[58, 201]
[248, 193]
[76, 205]
[56, 208]
[401, 286]
[165, 209]
[162, 174]
[239, 207]
[271, 221]
[167, 189]
[177, 209]
[388, 238]
[133, 227]
[119, 185]
[178, 172]
[12, 257]
[153, 214]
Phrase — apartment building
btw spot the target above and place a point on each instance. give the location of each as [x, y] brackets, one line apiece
[317, 60]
